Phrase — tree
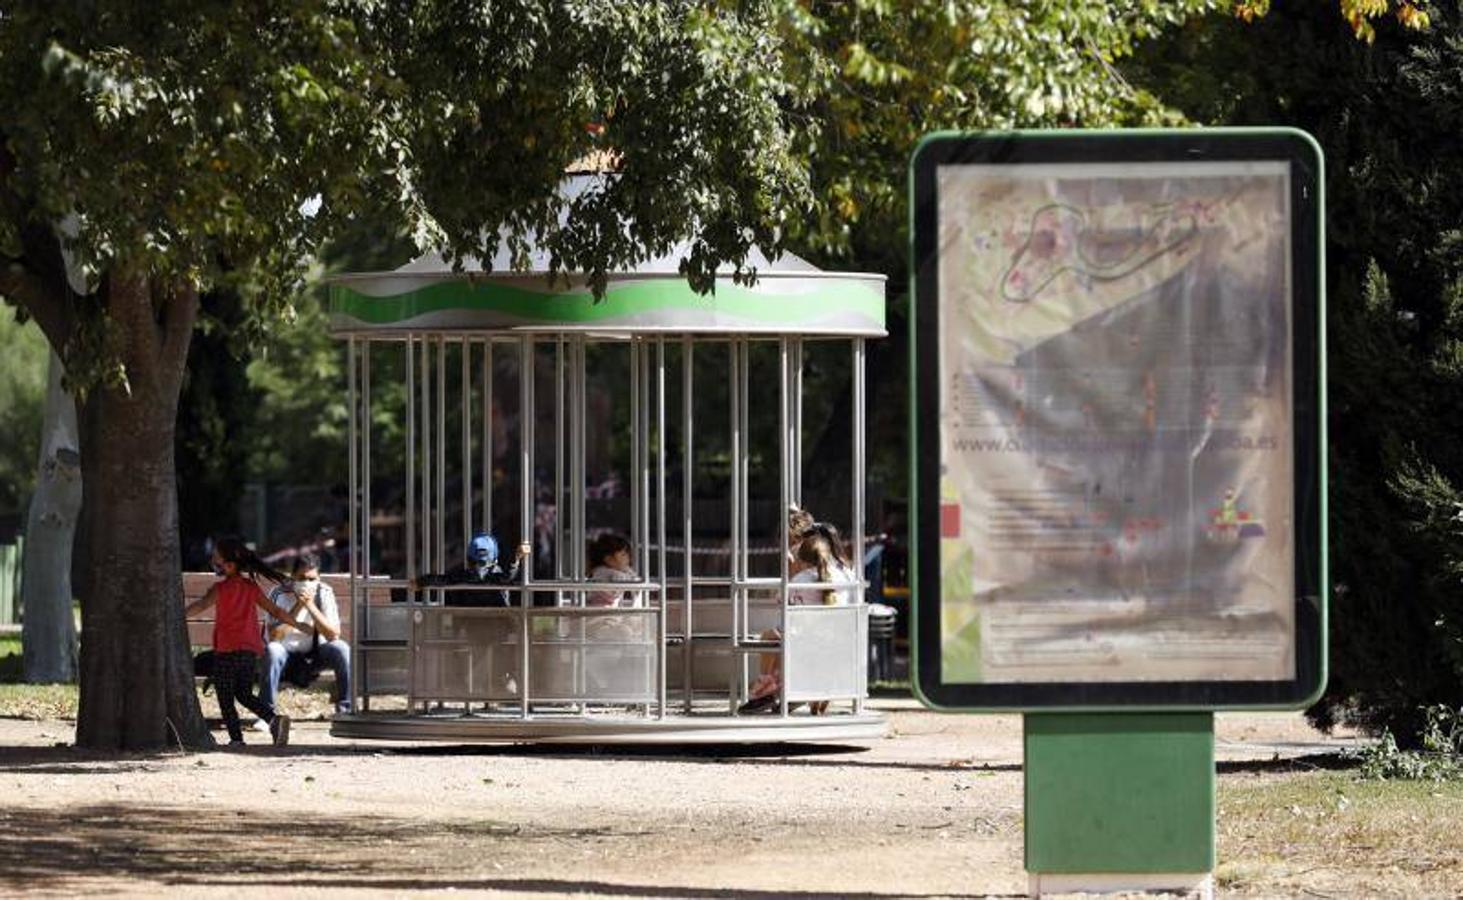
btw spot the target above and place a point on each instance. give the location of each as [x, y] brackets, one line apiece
[1388, 113]
[216, 147]
[48, 637]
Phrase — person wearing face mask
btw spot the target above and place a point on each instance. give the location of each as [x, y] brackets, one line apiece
[236, 643]
[297, 654]
[481, 568]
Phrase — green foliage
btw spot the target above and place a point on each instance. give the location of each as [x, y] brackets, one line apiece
[296, 432]
[1388, 115]
[874, 77]
[1359, 14]
[220, 146]
[22, 408]
[861, 83]
[1439, 758]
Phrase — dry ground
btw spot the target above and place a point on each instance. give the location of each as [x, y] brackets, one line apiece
[933, 810]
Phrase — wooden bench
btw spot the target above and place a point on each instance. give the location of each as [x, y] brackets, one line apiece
[200, 628]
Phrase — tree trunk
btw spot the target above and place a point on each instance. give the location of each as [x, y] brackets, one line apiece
[136, 670]
[48, 636]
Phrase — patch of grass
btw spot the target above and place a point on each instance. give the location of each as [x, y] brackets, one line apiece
[1329, 831]
[11, 665]
[38, 701]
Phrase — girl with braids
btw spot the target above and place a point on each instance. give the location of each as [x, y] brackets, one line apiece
[817, 561]
[237, 641]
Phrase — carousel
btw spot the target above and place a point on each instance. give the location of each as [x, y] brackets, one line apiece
[502, 411]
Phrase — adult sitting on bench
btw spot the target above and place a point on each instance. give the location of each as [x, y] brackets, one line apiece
[482, 568]
[298, 654]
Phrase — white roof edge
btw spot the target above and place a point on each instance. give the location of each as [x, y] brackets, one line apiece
[479, 275]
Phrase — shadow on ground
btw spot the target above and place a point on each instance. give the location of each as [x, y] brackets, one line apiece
[179, 847]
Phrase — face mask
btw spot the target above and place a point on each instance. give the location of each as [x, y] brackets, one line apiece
[482, 568]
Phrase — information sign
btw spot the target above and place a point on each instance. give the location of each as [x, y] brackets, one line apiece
[1119, 419]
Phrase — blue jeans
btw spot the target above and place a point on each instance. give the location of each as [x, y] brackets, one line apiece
[335, 655]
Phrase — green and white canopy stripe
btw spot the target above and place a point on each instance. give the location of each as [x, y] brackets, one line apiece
[781, 302]
[790, 297]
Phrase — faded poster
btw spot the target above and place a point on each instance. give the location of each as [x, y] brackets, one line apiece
[1116, 454]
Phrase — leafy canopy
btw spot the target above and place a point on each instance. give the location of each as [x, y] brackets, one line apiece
[872, 77]
[1359, 14]
[1388, 115]
[218, 144]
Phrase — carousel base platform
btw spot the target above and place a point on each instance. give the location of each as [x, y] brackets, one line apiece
[601, 728]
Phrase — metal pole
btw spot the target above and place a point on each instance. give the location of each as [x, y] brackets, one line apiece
[688, 457]
[580, 439]
[784, 455]
[409, 526]
[859, 464]
[559, 465]
[365, 451]
[465, 385]
[439, 539]
[426, 465]
[352, 559]
[526, 429]
[577, 471]
[360, 613]
[635, 449]
[488, 435]
[734, 558]
[745, 465]
[660, 516]
[645, 457]
[796, 493]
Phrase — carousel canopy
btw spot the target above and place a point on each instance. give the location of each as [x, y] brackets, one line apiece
[790, 296]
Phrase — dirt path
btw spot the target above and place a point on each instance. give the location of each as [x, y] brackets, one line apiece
[932, 810]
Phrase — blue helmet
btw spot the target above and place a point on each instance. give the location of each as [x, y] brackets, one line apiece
[482, 549]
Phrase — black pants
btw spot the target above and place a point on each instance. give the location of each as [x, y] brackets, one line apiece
[233, 679]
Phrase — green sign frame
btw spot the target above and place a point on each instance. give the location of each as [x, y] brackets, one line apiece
[1298, 155]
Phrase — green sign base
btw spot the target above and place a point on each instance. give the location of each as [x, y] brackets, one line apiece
[1120, 801]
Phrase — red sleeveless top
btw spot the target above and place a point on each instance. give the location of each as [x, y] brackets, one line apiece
[236, 618]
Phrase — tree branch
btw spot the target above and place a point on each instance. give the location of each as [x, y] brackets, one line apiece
[37, 282]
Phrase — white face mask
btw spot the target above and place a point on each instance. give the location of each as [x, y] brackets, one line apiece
[482, 567]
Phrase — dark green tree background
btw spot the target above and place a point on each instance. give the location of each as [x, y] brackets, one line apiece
[1389, 114]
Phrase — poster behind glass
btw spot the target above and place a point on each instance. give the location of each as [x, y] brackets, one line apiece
[1116, 455]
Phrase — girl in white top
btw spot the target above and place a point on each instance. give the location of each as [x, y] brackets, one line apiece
[816, 561]
[609, 560]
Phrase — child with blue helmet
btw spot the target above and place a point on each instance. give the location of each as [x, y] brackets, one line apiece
[481, 568]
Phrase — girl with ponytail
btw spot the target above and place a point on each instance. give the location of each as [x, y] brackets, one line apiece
[237, 640]
[817, 560]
